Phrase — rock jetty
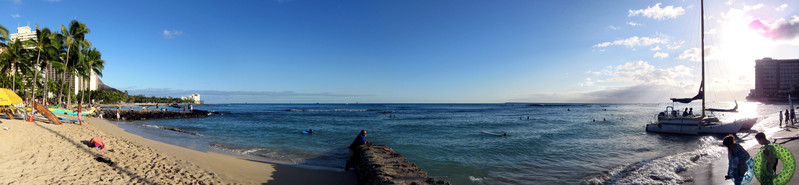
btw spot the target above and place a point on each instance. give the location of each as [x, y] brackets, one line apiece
[379, 164]
[110, 114]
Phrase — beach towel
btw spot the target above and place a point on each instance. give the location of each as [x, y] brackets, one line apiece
[96, 142]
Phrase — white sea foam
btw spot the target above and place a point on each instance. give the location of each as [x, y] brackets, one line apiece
[663, 170]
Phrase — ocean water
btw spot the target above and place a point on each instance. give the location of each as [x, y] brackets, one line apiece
[558, 144]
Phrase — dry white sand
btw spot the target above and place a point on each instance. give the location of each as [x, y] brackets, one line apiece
[42, 153]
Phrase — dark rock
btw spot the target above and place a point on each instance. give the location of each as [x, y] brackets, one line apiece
[379, 164]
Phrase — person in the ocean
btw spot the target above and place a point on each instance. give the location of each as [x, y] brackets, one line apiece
[310, 131]
[771, 162]
[354, 157]
[737, 156]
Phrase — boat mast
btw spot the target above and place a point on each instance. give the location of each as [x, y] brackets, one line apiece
[703, 55]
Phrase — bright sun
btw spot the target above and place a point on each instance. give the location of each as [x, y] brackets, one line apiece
[735, 47]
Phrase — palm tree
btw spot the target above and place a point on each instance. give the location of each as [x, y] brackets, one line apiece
[13, 54]
[93, 64]
[75, 35]
[42, 43]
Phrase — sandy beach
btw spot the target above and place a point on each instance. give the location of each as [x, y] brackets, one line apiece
[714, 172]
[43, 153]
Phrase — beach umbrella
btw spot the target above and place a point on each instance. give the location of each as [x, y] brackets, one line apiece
[8, 97]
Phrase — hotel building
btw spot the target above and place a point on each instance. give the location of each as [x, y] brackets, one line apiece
[775, 79]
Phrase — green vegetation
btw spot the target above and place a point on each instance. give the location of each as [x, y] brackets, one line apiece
[67, 53]
[113, 97]
[24, 66]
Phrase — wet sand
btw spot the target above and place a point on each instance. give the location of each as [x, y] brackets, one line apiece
[714, 172]
[42, 153]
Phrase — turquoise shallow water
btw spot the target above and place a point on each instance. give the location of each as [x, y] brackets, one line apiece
[558, 144]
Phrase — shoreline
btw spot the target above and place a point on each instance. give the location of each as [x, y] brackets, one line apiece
[714, 172]
[142, 159]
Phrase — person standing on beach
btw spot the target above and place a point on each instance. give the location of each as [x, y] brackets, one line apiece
[354, 157]
[117, 115]
[780, 119]
[771, 162]
[793, 116]
[787, 115]
[737, 156]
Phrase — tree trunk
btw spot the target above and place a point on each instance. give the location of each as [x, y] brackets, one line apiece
[35, 74]
[46, 83]
[66, 65]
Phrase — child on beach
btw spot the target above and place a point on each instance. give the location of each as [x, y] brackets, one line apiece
[359, 140]
[771, 162]
[737, 156]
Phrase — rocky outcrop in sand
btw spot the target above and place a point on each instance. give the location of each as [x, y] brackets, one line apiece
[379, 164]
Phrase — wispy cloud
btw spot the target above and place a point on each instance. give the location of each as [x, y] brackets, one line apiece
[661, 55]
[633, 24]
[753, 7]
[656, 48]
[633, 41]
[171, 33]
[781, 7]
[614, 27]
[694, 54]
[641, 81]
[658, 13]
[15, 16]
[675, 45]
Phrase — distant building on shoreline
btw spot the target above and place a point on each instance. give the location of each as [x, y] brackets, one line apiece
[194, 97]
[775, 79]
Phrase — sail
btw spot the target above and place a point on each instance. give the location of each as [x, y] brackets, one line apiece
[698, 96]
[734, 109]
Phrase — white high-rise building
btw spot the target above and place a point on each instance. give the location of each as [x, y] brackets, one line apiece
[194, 97]
[23, 33]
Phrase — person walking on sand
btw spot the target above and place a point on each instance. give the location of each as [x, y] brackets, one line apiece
[737, 156]
[787, 115]
[354, 157]
[780, 119]
[771, 162]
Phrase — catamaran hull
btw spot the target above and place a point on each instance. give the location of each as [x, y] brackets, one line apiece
[694, 129]
[748, 123]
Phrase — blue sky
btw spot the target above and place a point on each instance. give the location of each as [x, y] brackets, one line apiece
[301, 51]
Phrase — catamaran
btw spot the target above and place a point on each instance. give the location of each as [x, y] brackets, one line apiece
[671, 121]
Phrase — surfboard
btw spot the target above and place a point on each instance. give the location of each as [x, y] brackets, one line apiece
[43, 110]
[491, 133]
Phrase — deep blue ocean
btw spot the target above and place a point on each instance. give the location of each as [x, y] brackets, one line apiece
[558, 144]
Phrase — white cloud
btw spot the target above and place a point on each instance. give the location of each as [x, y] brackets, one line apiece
[15, 16]
[587, 82]
[754, 7]
[633, 24]
[660, 55]
[675, 45]
[730, 2]
[656, 48]
[633, 41]
[781, 7]
[614, 27]
[658, 13]
[694, 54]
[172, 34]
